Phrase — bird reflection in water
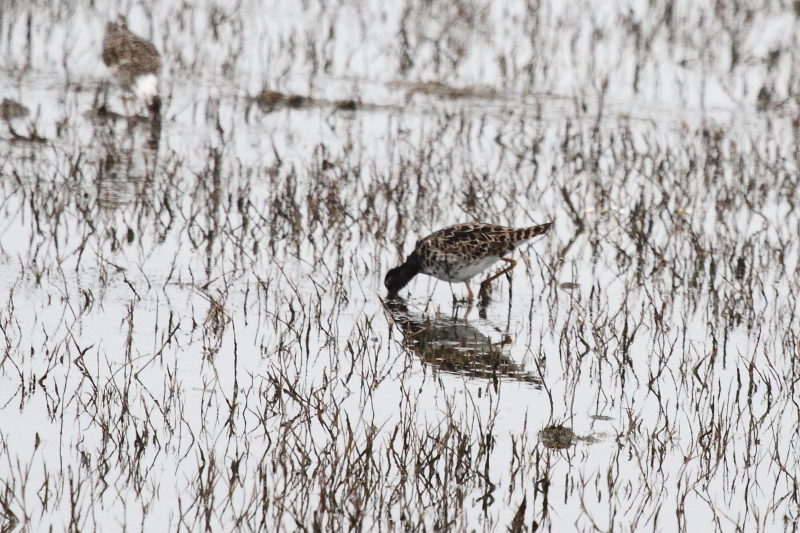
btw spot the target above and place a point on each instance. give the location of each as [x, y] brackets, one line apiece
[452, 345]
[129, 155]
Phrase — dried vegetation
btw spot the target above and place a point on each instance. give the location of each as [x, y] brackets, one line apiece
[192, 335]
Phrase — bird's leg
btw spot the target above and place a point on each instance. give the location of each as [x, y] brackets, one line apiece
[485, 285]
[510, 286]
[469, 291]
[103, 108]
[125, 106]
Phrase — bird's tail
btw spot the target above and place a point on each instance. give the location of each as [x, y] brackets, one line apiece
[534, 231]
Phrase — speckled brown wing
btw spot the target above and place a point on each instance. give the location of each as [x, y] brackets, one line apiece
[130, 55]
[476, 240]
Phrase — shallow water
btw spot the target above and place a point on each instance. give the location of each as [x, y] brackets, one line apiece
[193, 333]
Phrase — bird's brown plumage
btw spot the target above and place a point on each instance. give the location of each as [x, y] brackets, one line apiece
[460, 252]
[128, 55]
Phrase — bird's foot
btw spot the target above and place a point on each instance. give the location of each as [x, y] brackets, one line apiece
[462, 301]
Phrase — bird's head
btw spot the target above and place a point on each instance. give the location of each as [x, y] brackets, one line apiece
[398, 277]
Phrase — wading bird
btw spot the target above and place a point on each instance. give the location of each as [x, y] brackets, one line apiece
[134, 64]
[458, 253]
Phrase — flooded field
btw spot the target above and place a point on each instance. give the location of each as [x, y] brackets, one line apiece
[194, 331]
